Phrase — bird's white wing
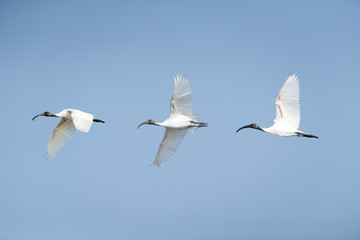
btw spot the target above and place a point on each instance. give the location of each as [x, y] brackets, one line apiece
[82, 120]
[60, 135]
[181, 101]
[170, 142]
[287, 103]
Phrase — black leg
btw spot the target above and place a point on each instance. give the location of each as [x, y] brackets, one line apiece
[306, 135]
[98, 120]
[199, 124]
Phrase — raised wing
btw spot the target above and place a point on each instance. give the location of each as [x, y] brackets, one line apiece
[287, 103]
[170, 142]
[60, 135]
[181, 101]
[82, 120]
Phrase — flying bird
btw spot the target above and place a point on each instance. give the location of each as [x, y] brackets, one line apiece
[71, 120]
[287, 119]
[180, 121]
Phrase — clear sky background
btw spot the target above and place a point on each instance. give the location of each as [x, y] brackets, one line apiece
[117, 60]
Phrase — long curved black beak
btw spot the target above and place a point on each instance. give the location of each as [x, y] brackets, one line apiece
[146, 122]
[247, 126]
[46, 114]
[41, 114]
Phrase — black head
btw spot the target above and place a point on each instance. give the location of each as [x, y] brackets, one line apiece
[150, 122]
[46, 114]
[253, 125]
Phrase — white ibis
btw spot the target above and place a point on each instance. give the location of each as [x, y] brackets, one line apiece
[287, 119]
[180, 121]
[71, 120]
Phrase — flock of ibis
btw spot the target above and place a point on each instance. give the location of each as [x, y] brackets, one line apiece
[181, 120]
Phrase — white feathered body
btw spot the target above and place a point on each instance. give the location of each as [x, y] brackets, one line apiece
[71, 119]
[82, 120]
[286, 123]
[282, 131]
[179, 122]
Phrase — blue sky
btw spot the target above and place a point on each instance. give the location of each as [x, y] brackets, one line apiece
[117, 60]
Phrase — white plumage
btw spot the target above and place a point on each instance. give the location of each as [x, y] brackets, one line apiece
[71, 120]
[287, 105]
[181, 100]
[60, 135]
[179, 122]
[170, 142]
